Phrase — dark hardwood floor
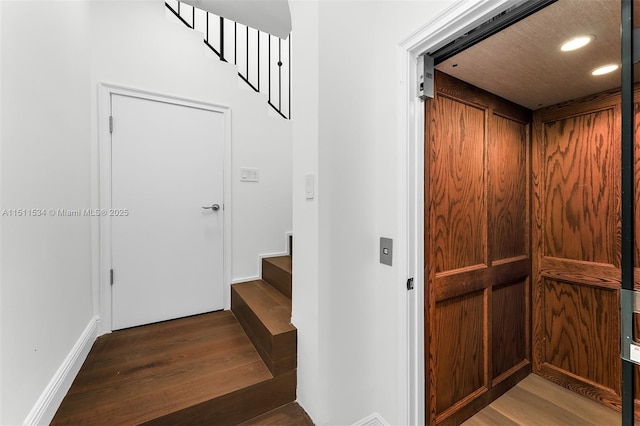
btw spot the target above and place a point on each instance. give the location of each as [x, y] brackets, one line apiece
[196, 370]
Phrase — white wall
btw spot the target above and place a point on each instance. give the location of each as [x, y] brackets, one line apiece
[349, 118]
[45, 136]
[52, 56]
[135, 45]
[1, 204]
[306, 262]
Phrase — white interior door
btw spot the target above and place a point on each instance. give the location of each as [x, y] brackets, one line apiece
[167, 250]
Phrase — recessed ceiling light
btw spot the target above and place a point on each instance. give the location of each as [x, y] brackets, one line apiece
[576, 43]
[606, 69]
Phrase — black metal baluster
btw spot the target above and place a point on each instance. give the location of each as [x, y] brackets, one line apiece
[222, 38]
[280, 74]
[269, 64]
[207, 41]
[176, 13]
[247, 40]
[289, 76]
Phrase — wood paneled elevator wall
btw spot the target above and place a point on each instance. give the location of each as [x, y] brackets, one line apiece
[477, 248]
[522, 247]
[577, 239]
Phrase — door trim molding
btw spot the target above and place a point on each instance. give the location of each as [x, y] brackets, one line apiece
[102, 233]
[454, 21]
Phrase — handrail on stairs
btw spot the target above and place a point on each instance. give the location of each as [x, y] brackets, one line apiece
[239, 44]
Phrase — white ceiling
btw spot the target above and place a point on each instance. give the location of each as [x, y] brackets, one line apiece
[270, 16]
[523, 63]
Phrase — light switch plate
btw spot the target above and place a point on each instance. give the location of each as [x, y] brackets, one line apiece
[309, 186]
[249, 175]
[386, 251]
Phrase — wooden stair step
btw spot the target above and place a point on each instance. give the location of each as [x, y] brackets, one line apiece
[234, 408]
[277, 272]
[195, 370]
[290, 414]
[265, 315]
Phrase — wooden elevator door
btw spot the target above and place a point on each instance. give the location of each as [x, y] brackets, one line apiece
[477, 249]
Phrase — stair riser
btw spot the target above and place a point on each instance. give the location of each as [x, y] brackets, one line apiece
[238, 406]
[277, 277]
[278, 352]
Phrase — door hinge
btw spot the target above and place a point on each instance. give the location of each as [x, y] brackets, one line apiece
[410, 284]
[111, 124]
[111, 276]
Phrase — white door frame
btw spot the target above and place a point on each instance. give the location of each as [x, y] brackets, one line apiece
[104, 152]
[459, 18]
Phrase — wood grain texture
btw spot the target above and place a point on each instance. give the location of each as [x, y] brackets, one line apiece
[601, 394]
[580, 272]
[277, 271]
[537, 292]
[288, 415]
[489, 416]
[455, 88]
[236, 407]
[460, 349]
[468, 280]
[582, 331]
[476, 241]
[509, 323]
[269, 305]
[457, 185]
[140, 374]
[580, 221]
[430, 330]
[265, 315]
[536, 401]
[576, 242]
[508, 188]
[465, 409]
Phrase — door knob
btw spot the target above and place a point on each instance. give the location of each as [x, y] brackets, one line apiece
[214, 207]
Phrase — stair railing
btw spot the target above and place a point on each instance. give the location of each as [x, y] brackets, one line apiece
[251, 50]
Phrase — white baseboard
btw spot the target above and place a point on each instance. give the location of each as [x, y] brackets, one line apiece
[374, 419]
[245, 279]
[259, 276]
[45, 408]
